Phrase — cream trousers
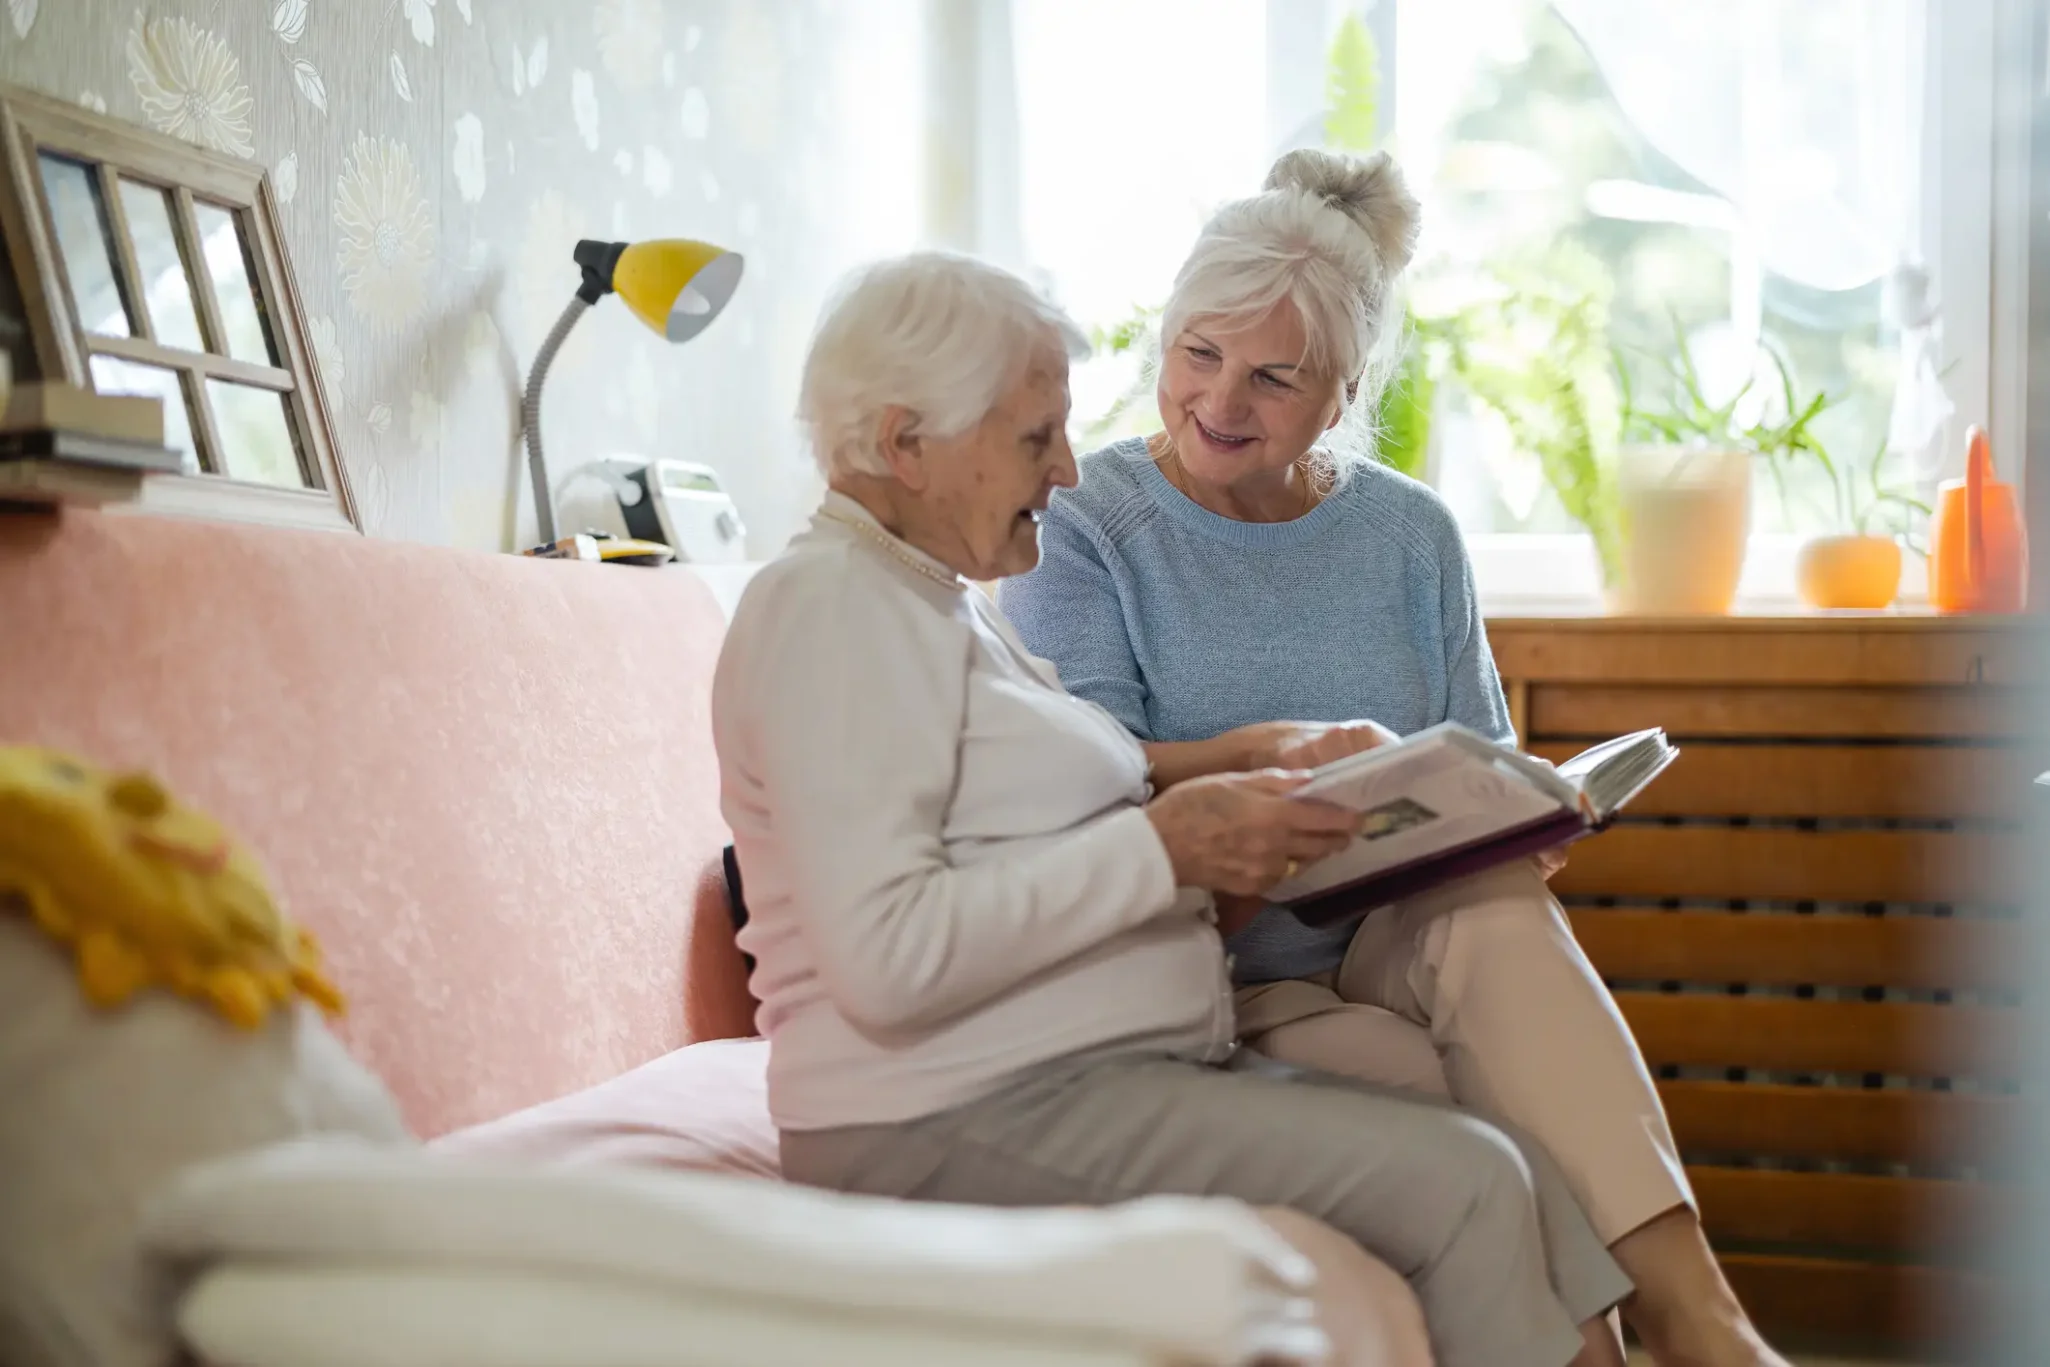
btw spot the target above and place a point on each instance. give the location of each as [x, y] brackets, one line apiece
[1478, 992]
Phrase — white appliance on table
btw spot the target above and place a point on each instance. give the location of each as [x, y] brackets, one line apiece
[682, 505]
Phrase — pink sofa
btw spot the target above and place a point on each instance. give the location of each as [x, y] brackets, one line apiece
[485, 781]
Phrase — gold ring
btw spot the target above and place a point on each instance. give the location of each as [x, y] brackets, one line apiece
[1293, 866]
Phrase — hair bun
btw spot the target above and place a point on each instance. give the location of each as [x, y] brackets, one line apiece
[1368, 190]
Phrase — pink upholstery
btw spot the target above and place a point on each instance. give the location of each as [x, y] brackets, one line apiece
[486, 781]
[705, 1108]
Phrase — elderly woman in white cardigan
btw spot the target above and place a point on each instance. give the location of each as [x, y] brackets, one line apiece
[985, 945]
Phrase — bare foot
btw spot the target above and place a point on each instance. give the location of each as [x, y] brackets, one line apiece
[1725, 1345]
[1684, 1311]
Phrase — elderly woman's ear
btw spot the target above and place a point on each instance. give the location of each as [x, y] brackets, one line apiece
[902, 448]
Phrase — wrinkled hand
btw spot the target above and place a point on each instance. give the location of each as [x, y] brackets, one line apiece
[1307, 744]
[1243, 833]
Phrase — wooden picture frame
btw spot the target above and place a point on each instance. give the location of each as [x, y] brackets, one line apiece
[243, 472]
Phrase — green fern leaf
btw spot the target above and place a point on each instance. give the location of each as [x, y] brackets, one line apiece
[1352, 88]
[1403, 436]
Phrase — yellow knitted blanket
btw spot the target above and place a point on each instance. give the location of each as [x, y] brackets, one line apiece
[146, 891]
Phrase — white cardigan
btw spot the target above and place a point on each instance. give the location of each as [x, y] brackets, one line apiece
[949, 877]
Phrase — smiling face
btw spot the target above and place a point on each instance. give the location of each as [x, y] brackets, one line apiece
[973, 501]
[1237, 400]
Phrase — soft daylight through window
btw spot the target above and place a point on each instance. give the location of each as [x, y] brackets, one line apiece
[1621, 249]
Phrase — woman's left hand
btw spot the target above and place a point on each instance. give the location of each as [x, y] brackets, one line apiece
[1306, 744]
[1549, 861]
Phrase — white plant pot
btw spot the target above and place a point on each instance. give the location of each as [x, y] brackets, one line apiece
[1686, 515]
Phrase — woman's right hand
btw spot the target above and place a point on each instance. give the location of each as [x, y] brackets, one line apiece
[1243, 833]
[1306, 744]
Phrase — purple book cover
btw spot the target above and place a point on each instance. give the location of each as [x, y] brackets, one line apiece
[1334, 905]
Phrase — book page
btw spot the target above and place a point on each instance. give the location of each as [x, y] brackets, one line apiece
[1615, 771]
[1431, 796]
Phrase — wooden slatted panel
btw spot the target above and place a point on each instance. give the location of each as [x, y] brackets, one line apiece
[1803, 652]
[1855, 951]
[1898, 782]
[1891, 1125]
[1845, 1211]
[1648, 862]
[1917, 720]
[1813, 1036]
[1598, 712]
[1863, 1303]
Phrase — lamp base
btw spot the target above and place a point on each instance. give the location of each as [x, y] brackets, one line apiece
[604, 548]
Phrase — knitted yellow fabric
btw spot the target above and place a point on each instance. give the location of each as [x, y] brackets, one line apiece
[147, 891]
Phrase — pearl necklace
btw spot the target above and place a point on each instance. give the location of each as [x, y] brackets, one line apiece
[896, 549]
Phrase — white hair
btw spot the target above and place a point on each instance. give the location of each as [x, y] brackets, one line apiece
[939, 334]
[1331, 235]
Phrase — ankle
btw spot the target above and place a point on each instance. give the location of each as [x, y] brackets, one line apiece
[1704, 1336]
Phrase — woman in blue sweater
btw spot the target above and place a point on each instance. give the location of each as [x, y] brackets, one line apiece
[1250, 561]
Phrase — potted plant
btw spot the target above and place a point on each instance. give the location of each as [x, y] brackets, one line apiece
[1859, 566]
[1532, 346]
[1684, 475]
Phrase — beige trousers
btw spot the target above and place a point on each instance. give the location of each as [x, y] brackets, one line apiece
[1478, 992]
[1479, 1222]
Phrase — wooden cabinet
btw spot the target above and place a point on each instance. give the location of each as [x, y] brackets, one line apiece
[1812, 924]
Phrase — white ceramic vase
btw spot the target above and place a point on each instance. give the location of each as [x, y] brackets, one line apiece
[1686, 516]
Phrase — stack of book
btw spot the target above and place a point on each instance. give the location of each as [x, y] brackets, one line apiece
[63, 444]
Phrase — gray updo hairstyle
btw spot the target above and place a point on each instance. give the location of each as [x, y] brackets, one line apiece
[1331, 234]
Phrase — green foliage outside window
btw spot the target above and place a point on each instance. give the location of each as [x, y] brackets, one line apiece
[1527, 336]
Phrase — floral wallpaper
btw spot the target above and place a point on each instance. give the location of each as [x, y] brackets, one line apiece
[437, 159]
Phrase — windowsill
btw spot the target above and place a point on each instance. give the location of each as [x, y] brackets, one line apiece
[1527, 575]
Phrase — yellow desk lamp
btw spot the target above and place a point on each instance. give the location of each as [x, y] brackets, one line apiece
[675, 286]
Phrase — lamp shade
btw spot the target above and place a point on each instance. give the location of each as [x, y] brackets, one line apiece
[676, 286]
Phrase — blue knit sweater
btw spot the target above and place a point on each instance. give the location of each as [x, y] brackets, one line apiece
[1184, 624]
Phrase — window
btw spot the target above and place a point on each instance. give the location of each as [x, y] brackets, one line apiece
[1639, 179]
[1117, 171]
[141, 265]
[1725, 189]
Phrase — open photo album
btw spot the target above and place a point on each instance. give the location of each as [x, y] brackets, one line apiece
[1448, 802]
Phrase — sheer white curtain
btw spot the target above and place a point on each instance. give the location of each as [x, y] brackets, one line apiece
[1129, 122]
[1807, 116]
[972, 113]
[1085, 141]
[1136, 119]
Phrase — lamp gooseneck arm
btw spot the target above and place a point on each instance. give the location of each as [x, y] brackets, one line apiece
[530, 413]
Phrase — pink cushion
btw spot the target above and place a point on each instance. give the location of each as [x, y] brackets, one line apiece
[705, 1108]
[486, 781]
